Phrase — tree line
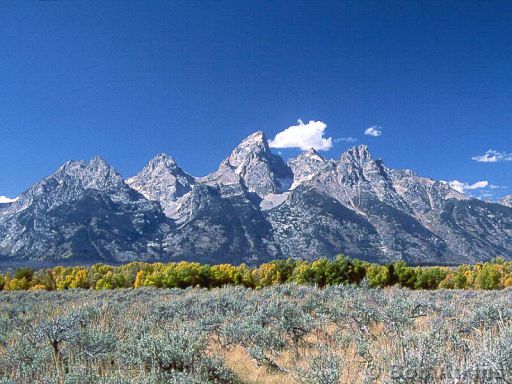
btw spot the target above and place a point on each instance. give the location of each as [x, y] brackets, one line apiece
[496, 274]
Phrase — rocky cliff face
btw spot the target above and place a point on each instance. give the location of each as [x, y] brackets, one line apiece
[254, 208]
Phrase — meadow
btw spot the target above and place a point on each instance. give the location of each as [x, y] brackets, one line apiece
[285, 333]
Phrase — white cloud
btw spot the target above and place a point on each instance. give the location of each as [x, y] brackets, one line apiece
[461, 187]
[5, 199]
[374, 131]
[303, 136]
[482, 190]
[493, 156]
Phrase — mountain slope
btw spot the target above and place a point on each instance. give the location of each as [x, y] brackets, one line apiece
[217, 225]
[308, 225]
[410, 212]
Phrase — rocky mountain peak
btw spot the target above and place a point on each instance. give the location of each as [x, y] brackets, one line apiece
[98, 162]
[70, 183]
[248, 211]
[162, 180]
[357, 155]
[162, 160]
[253, 146]
[85, 211]
[162, 166]
[305, 166]
[313, 154]
[257, 137]
[95, 174]
[255, 166]
[357, 164]
[81, 168]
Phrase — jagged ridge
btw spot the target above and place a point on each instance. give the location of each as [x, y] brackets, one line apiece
[255, 207]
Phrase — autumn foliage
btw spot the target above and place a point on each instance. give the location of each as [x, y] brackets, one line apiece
[496, 274]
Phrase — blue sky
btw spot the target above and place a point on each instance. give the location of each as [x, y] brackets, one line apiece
[126, 80]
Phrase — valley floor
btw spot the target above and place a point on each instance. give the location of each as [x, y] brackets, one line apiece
[280, 334]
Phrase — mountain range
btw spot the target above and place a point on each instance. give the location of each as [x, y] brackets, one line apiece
[254, 208]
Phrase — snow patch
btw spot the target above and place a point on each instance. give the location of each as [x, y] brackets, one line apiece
[273, 200]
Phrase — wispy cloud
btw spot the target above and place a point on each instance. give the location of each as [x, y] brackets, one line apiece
[349, 139]
[374, 131]
[5, 199]
[493, 156]
[303, 136]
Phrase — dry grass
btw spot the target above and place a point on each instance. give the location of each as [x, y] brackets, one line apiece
[246, 368]
[249, 372]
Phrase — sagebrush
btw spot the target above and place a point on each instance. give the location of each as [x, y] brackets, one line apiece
[281, 334]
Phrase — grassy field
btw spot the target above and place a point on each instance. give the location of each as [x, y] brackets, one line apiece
[282, 334]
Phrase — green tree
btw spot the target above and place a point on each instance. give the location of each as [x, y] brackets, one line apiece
[403, 275]
[45, 277]
[266, 275]
[222, 274]
[285, 269]
[488, 277]
[430, 278]
[303, 273]
[319, 268]
[16, 284]
[342, 270]
[378, 275]
[460, 280]
[21, 273]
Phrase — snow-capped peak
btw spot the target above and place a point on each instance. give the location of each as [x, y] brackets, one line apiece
[257, 136]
